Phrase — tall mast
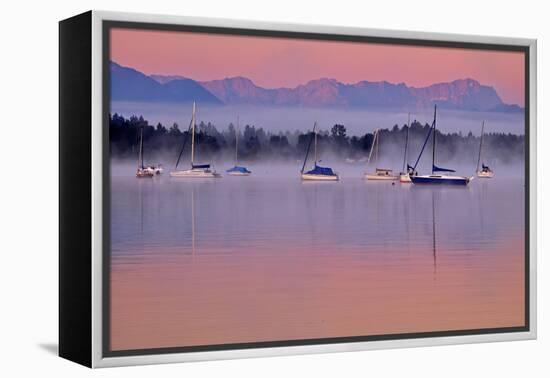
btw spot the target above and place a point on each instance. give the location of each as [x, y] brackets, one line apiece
[308, 148]
[372, 147]
[140, 158]
[193, 221]
[433, 231]
[315, 146]
[406, 142]
[377, 147]
[423, 147]
[185, 138]
[433, 146]
[237, 143]
[480, 145]
[193, 136]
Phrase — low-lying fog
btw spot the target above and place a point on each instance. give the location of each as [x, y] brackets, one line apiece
[278, 169]
[357, 121]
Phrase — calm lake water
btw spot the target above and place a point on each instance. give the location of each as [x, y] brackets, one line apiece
[263, 258]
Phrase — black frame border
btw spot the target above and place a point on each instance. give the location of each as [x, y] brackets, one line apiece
[75, 189]
[107, 25]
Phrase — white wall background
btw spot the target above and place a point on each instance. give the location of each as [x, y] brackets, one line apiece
[28, 187]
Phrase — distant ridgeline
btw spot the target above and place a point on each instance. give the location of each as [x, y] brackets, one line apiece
[128, 84]
[256, 144]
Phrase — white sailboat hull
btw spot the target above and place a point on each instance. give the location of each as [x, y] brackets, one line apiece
[482, 174]
[141, 173]
[374, 176]
[195, 173]
[405, 178]
[237, 173]
[314, 177]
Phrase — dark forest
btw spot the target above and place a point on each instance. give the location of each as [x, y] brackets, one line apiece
[255, 143]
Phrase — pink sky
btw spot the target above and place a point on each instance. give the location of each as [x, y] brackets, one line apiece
[280, 62]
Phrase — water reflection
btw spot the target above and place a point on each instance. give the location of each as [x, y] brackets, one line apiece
[273, 259]
[433, 231]
[193, 237]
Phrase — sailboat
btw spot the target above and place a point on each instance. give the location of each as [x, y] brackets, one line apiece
[485, 171]
[439, 175]
[237, 170]
[197, 170]
[404, 176]
[318, 173]
[155, 169]
[142, 171]
[379, 173]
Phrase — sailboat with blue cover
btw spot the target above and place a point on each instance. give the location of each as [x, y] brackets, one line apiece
[237, 170]
[318, 173]
[196, 170]
[439, 175]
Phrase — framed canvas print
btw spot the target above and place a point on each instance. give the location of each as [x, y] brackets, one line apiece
[234, 189]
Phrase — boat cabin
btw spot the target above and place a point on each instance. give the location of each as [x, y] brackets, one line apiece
[384, 172]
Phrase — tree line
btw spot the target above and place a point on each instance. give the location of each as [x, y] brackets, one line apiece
[255, 143]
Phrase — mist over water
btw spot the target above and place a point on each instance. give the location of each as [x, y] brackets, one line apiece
[270, 257]
[290, 168]
[357, 121]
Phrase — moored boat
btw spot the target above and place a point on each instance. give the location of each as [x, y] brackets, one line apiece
[155, 169]
[405, 176]
[439, 176]
[142, 171]
[237, 170]
[379, 173]
[318, 173]
[485, 171]
[196, 170]
[440, 179]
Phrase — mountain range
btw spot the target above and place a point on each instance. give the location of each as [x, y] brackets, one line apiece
[128, 84]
